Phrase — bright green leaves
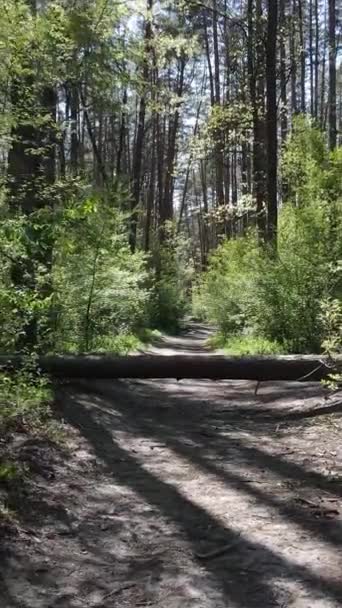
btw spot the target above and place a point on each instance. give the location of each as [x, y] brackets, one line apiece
[293, 299]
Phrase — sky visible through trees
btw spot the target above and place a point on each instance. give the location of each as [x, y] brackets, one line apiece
[156, 130]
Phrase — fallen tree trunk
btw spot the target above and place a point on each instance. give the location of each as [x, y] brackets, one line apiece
[262, 368]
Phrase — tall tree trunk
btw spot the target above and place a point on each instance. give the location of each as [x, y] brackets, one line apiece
[219, 164]
[160, 128]
[167, 206]
[207, 48]
[332, 74]
[256, 86]
[271, 121]
[316, 8]
[122, 137]
[31, 169]
[187, 175]
[216, 55]
[323, 79]
[283, 94]
[151, 192]
[302, 55]
[312, 103]
[22, 183]
[294, 104]
[74, 110]
[138, 148]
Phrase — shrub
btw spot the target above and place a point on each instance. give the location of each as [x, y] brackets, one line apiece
[101, 289]
[278, 298]
[171, 292]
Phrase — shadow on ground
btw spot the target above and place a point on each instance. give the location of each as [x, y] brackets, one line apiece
[215, 441]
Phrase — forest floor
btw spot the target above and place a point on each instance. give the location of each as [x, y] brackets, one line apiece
[190, 494]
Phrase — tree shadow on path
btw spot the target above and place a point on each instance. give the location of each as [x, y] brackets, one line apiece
[245, 575]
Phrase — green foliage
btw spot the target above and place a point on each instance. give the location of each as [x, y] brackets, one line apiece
[246, 289]
[233, 122]
[122, 344]
[170, 301]
[305, 162]
[9, 471]
[24, 401]
[244, 345]
[331, 316]
[93, 294]
[224, 296]
[101, 290]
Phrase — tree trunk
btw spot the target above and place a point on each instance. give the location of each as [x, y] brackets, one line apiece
[271, 122]
[256, 86]
[332, 74]
[261, 368]
[31, 168]
[151, 188]
[312, 102]
[283, 94]
[294, 104]
[167, 205]
[219, 165]
[23, 175]
[302, 55]
[120, 166]
[74, 109]
[210, 70]
[138, 148]
[323, 94]
[316, 58]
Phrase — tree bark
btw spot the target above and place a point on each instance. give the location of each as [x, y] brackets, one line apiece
[121, 167]
[323, 78]
[219, 165]
[302, 55]
[262, 368]
[316, 58]
[74, 109]
[283, 93]
[166, 212]
[138, 148]
[294, 103]
[255, 58]
[332, 74]
[31, 168]
[312, 102]
[271, 122]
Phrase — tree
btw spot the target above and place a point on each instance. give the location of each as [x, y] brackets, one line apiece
[332, 74]
[138, 147]
[271, 121]
[30, 175]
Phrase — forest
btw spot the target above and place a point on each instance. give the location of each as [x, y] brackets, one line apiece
[170, 184]
[161, 160]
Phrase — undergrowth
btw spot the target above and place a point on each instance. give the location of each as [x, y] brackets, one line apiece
[245, 345]
[25, 405]
[247, 290]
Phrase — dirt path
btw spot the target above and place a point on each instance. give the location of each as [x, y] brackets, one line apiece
[183, 495]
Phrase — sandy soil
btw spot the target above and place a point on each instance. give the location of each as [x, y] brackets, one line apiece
[181, 495]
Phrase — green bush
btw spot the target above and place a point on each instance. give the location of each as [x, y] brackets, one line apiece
[225, 292]
[247, 290]
[101, 290]
[24, 401]
[244, 345]
[171, 291]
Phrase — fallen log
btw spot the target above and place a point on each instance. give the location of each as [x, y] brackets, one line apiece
[261, 368]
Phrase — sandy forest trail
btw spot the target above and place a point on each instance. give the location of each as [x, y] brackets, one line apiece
[191, 494]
